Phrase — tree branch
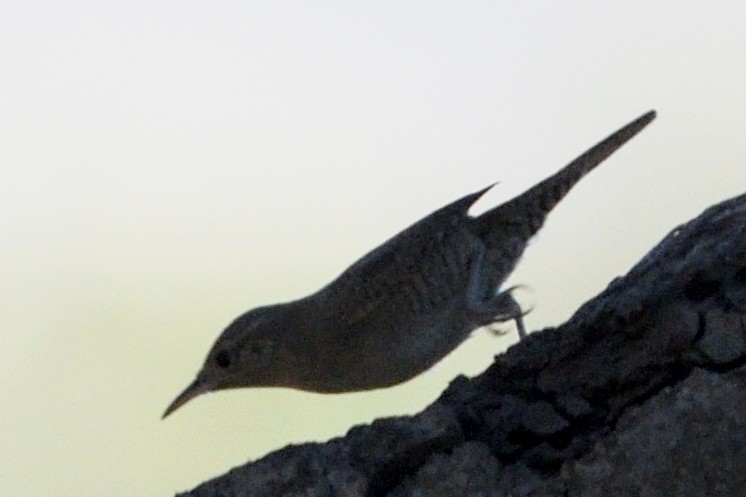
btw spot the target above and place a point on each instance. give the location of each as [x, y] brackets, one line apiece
[641, 392]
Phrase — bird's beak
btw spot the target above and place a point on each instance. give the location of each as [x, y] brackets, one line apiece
[198, 387]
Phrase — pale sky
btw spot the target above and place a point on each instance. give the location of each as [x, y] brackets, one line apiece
[169, 165]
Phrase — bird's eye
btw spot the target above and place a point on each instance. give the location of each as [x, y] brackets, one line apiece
[223, 359]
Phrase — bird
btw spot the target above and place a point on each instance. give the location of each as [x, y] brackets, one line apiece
[400, 308]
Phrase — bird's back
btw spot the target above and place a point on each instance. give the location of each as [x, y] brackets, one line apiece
[411, 276]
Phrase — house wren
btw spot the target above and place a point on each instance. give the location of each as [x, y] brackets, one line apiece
[402, 307]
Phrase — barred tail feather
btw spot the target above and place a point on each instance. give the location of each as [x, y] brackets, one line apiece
[527, 211]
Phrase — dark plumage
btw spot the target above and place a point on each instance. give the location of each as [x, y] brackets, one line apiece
[401, 308]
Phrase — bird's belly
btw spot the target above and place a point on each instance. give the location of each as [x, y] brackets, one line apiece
[395, 354]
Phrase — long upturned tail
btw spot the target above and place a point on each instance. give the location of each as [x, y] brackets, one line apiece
[525, 214]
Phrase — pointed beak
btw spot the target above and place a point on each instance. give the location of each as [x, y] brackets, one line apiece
[198, 387]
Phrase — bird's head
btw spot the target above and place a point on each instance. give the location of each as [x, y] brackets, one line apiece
[253, 351]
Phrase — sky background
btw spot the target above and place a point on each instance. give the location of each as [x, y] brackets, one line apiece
[168, 165]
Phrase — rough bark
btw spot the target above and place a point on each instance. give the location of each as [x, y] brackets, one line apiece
[642, 392]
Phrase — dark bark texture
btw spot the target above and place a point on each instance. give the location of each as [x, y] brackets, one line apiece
[641, 393]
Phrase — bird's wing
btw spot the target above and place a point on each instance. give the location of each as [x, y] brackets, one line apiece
[412, 271]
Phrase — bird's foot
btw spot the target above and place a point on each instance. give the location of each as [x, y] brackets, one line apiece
[499, 308]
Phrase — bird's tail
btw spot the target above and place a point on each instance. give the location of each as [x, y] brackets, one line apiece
[522, 216]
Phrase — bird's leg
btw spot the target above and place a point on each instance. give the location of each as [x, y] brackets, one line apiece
[509, 309]
[488, 305]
